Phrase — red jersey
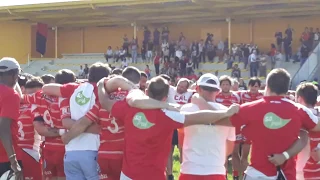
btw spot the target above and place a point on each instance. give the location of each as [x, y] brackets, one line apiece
[273, 124]
[28, 137]
[228, 100]
[112, 134]
[49, 109]
[312, 168]
[148, 136]
[9, 108]
[247, 96]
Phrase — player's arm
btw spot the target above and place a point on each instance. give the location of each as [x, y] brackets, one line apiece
[204, 105]
[209, 117]
[44, 130]
[112, 84]
[78, 127]
[52, 89]
[295, 148]
[236, 157]
[104, 99]
[138, 99]
[6, 138]
[18, 90]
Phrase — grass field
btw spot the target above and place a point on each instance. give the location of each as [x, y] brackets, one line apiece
[176, 165]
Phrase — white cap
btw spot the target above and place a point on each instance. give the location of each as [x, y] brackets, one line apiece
[209, 80]
[7, 64]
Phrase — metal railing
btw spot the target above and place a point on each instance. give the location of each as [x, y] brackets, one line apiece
[308, 69]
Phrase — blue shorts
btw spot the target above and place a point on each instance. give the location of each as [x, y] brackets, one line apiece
[81, 165]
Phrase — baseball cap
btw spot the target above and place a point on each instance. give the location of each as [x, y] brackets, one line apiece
[8, 63]
[209, 80]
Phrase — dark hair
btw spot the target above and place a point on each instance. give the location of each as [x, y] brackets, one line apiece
[253, 81]
[132, 74]
[158, 88]
[225, 78]
[273, 45]
[65, 76]
[117, 71]
[278, 81]
[98, 71]
[23, 78]
[143, 74]
[35, 82]
[309, 93]
[47, 78]
[166, 77]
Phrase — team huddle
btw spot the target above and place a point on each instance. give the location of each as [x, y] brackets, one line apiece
[117, 125]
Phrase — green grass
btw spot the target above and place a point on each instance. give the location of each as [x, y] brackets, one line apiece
[176, 165]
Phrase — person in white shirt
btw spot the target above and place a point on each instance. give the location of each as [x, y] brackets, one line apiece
[201, 51]
[205, 147]
[122, 54]
[178, 54]
[253, 60]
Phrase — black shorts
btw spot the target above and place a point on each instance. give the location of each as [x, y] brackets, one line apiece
[6, 166]
[175, 139]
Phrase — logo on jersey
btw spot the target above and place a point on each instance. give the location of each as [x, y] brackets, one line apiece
[141, 122]
[81, 99]
[273, 121]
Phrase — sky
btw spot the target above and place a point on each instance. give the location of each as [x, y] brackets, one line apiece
[27, 2]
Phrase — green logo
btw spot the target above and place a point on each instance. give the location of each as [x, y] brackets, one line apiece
[273, 121]
[81, 99]
[141, 122]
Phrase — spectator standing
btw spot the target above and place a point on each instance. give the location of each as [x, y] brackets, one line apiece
[150, 50]
[272, 54]
[126, 44]
[124, 63]
[143, 52]
[304, 54]
[165, 34]
[202, 55]
[210, 51]
[81, 72]
[86, 70]
[181, 36]
[134, 50]
[109, 54]
[183, 66]
[263, 66]
[246, 54]
[156, 62]
[305, 35]
[183, 45]
[166, 58]
[195, 57]
[221, 50]
[164, 45]
[253, 59]
[287, 47]
[278, 36]
[156, 39]
[311, 38]
[146, 35]
[289, 32]
[172, 49]
[178, 55]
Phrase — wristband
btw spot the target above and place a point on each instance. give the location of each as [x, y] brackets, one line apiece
[286, 155]
[62, 131]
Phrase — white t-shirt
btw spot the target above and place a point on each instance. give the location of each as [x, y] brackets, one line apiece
[253, 58]
[204, 146]
[179, 54]
[175, 98]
